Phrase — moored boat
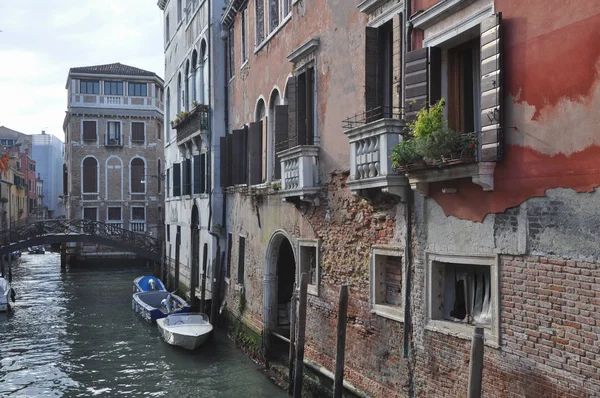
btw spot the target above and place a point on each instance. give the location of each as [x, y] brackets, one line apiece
[158, 304]
[7, 294]
[147, 283]
[186, 330]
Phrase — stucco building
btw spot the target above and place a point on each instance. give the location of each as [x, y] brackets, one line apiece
[501, 235]
[195, 119]
[114, 147]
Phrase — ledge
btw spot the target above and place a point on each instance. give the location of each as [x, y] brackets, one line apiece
[307, 48]
[462, 331]
[481, 173]
[378, 127]
[390, 184]
[438, 12]
[367, 6]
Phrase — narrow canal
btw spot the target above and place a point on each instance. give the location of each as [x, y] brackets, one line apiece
[74, 334]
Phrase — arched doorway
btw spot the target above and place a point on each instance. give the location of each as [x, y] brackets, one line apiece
[195, 253]
[280, 277]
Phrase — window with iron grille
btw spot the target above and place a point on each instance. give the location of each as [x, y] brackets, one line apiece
[90, 175]
[113, 88]
[90, 130]
[138, 213]
[114, 214]
[137, 174]
[137, 132]
[138, 89]
[89, 87]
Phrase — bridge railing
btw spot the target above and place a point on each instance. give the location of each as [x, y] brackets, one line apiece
[109, 231]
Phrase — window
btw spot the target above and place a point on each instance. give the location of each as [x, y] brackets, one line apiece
[273, 14]
[113, 88]
[138, 89]
[309, 263]
[244, 35]
[194, 87]
[179, 11]
[138, 213]
[229, 246]
[168, 113]
[90, 130]
[113, 133]
[304, 108]
[287, 7]
[259, 22]
[177, 179]
[137, 175]
[241, 259]
[168, 183]
[167, 30]
[138, 133]
[187, 86]
[462, 293]
[462, 86]
[386, 282]
[186, 174]
[114, 214]
[89, 87]
[159, 177]
[257, 146]
[231, 46]
[200, 174]
[178, 92]
[90, 213]
[90, 175]
[379, 71]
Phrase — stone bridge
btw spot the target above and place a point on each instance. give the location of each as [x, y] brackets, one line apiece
[87, 231]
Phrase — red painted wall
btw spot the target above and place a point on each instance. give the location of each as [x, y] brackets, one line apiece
[552, 72]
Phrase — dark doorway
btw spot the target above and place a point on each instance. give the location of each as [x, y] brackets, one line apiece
[286, 276]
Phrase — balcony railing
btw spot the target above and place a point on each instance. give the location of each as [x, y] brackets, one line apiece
[191, 124]
[115, 101]
[113, 141]
[137, 226]
[372, 135]
[299, 172]
[114, 227]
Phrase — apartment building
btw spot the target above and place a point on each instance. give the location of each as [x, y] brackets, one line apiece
[497, 232]
[195, 120]
[114, 147]
[48, 152]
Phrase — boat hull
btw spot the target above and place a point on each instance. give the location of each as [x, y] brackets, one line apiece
[148, 305]
[5, 295]
[183, 333]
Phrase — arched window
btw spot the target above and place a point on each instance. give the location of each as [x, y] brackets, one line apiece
[204, 73]
[179, 92]
[186, 98]
[194, 71]
[137, 172]
[259, 174]
[168, 113]
[277, 135]
[90, 175]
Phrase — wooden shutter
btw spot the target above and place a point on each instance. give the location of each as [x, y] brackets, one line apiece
[300, 110]
[309, 133]
[237, 161]
[491, 89]
[224, 166]
[255, 152]
[244, 158]
[203, 177]
[372, 96]
[89, 130]
[422, 82]
[229, 157]
[137, 131]
[281, 124]
[292, 112]
[197, 187]
[177, 179]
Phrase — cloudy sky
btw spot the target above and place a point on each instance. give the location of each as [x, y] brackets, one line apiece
[41, 39]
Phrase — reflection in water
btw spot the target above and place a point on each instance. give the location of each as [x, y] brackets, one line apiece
[74, 334]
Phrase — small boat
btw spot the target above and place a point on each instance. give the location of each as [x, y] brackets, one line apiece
[147, 284]
[37, 249]
[158, 304]
[7, 294]
[188, 331]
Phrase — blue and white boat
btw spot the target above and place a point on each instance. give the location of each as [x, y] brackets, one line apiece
[158, 304]
[7, 294]
[147, 283]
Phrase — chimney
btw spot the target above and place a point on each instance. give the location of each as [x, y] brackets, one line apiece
[43, 132]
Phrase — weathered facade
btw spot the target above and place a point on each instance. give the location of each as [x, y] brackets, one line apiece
[504, 239]
[114, 147]
[195, 114]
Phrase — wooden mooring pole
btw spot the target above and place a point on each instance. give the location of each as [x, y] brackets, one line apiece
[301, 336]
[292, 353]
[338, 383]
[476, 364]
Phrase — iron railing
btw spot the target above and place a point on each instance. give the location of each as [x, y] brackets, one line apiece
[372, 115]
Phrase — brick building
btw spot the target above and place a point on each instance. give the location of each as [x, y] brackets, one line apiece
[114, 147]
[502, 237]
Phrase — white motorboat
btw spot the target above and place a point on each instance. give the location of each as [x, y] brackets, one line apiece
[6, 293]
[186, 330]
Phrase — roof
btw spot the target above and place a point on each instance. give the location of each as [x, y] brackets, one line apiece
[112, 69]
[5, 132]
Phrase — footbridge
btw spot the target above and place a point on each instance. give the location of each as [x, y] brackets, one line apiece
[86, 231]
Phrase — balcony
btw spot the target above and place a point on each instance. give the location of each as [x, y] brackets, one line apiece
[115, 101]
[137, 226]
[299, 173]
[372, 135]
[192, 124]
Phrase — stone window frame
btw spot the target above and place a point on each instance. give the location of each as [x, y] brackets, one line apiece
[107, 131]
[139, 143]
[313, 289]
[389, 311]
[462, 330]
[89, 142]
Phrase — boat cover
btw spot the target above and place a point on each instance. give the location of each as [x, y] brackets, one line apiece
[144, 283]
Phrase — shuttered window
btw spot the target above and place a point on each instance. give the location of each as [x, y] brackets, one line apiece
[114, 214]
[186, 177]
[281, 131]
[239, 156]
[255, 149]
[177, 179]
[137, 132]
[423, 79]
[379, 71]
[241, 259]
[90, 175]
[137, 175]
[90, 130]
[90, 213]
[200, 174]
[305, 100]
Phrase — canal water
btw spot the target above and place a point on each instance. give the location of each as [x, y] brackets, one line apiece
[74, 334]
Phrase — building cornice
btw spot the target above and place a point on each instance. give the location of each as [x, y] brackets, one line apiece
[162, 4]
[231, 11]
[368, 6]
[305, 49]
[437, 12]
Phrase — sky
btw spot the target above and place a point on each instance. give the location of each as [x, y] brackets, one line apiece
[41, 39]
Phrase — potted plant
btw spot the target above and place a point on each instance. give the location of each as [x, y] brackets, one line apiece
[3, 200]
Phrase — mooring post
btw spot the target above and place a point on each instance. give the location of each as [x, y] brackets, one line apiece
[292, 341]
[9, 268]
[301, 336]
[169, 265]
[338, 384]
[2, 266]
[476, 364]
